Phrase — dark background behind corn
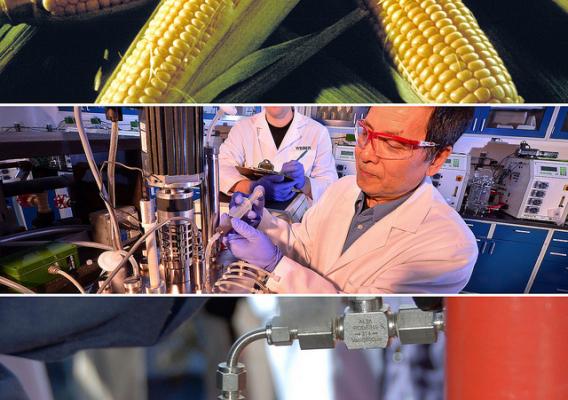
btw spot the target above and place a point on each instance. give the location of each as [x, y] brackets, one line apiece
[59, 63]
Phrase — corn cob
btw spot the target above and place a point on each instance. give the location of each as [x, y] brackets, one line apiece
[73, 7]
[188, 42]
[440, 49]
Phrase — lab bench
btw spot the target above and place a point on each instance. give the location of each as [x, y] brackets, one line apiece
[518, 256]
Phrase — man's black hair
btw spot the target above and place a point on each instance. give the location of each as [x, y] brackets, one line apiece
[446, 125]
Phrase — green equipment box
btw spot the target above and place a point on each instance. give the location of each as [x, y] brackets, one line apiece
[29, 267]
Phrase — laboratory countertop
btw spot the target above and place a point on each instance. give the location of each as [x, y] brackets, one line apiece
[508, 219]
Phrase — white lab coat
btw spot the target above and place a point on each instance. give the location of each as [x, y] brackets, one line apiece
[250, 141]
[423, 246]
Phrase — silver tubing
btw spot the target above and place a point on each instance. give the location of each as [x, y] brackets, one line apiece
[242, 342]
[148, 218]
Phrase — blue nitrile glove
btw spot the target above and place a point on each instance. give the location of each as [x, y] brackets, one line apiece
[251, 245]
[295, 170]
[275, 188]
[255, 214]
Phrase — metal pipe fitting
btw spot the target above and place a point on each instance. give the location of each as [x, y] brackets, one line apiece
[366, 323]
[365, 304]
[279, 334]
[132, 285]
[231, 381]
[231, 375]
[414, 326]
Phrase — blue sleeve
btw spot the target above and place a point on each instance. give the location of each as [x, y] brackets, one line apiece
[52, 328]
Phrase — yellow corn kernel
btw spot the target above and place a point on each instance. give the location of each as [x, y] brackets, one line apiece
[461, 64]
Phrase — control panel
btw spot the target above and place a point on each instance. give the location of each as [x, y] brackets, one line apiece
[345, 160]
[537, 189]
[451, 181]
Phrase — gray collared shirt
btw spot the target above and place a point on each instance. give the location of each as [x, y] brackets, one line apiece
[364, 219]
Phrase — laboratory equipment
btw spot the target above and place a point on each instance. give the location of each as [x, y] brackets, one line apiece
[127, 218]
[177, 237]
[451, 180]
[30, 268]
[174, 155]
[345, 160]
[479, 193]
[338, 116]
[147, 236]
[367, 323]
[526, 151]
[536, 189]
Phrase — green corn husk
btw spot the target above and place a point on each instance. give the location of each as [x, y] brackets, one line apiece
[12, 40]
[307, 47]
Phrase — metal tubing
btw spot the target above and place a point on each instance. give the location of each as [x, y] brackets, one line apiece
[15, 285]
[148, 218]
[212, 187]
[112, 152]
[242, 342]
[506, 348]
[210, 207]
[204, 214]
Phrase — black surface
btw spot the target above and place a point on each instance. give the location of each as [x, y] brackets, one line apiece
[174, 205]
[59, 64]
[36, 185]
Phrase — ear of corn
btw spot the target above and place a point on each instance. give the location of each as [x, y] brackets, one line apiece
[73, 7]
[440, 49]
[187, 43]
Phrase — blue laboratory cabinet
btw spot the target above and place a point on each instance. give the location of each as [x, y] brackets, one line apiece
[507, 257]
[511, 121]
[552, 275]
[560, 130]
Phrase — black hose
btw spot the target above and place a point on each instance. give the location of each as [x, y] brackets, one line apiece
[44, 231]
[37, 185]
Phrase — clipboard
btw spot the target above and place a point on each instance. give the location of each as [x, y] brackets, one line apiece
[257, 173]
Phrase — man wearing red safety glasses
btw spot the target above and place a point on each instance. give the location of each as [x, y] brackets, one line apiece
[387, 229]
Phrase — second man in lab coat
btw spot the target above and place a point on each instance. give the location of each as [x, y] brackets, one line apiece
[281, 135]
